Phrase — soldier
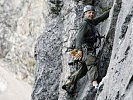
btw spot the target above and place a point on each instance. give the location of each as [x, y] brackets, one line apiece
[85, 41]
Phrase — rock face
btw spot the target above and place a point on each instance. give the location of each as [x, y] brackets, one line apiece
[119, 78]
[115, 56]
[21, 23]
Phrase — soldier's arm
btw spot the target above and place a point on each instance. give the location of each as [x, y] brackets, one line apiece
[80, 36]
[101, 18]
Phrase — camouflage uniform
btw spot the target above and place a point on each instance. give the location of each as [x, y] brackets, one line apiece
[85, 43]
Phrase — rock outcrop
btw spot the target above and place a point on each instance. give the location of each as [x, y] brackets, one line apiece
[117, 85]
[21, 23]
[115, 56]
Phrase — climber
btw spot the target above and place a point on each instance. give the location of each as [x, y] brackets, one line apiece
[85, 40]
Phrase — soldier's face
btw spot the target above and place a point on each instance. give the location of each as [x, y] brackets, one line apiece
[90, 15]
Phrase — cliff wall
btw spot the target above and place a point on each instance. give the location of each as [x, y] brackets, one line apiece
[114, 56]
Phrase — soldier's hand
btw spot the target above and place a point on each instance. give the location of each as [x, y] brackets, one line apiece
[79, 55]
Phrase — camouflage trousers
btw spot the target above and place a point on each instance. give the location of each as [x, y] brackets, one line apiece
[86, 67]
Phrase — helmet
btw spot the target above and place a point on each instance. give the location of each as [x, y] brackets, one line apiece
[89, 8]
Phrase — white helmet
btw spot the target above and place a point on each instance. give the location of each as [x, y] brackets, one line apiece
[89, 8]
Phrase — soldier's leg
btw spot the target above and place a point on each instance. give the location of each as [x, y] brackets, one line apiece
[92, 74]
[79, 74]
[92, 69]
[69, 86]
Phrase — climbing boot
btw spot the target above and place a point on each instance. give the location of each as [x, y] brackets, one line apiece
[69, 87]
[93, 89]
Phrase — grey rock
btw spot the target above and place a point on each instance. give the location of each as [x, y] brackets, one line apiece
[114, 56]
[21, 23]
